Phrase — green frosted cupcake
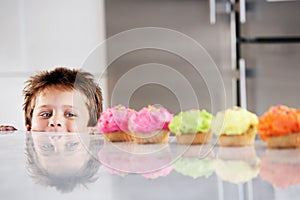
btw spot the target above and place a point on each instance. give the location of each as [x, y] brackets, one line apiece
[192, 127]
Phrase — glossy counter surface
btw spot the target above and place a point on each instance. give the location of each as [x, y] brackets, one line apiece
[74, 166]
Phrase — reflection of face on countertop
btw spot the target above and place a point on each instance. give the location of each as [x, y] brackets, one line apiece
[61, 154]
[61, 160]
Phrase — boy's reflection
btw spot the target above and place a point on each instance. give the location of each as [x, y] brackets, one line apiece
[63, 161]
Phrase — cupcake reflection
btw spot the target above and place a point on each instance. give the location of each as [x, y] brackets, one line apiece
[195, 167]
[62, 161]
[281, 167]
[237, 164]
[196, 161]
[165, 171]
[136, 159]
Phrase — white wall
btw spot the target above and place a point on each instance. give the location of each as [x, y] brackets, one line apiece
[41, 34]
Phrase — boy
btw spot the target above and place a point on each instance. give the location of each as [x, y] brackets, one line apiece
[62, 100]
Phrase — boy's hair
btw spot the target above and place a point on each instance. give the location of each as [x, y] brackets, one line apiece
[63, 79]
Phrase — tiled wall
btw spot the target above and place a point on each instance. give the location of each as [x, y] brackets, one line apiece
[38, 35]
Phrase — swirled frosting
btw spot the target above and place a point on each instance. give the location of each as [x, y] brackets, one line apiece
[192, 121]
[150, 119]
[115, 119]
[235, 121]
[279, 120]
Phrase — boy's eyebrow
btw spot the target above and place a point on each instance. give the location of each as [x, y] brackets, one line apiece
[65, 106]
[44, 106]
[70, 106]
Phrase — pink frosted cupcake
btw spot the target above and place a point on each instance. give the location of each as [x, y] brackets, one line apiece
[113, 124]
[150, 125]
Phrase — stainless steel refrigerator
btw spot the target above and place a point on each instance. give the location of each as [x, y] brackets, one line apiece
[254, 44]
[269, 43]
[191, 19]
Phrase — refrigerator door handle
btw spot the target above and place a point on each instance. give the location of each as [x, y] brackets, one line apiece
[243, 92]
[212, 11]
[218, 7]
[243, 11]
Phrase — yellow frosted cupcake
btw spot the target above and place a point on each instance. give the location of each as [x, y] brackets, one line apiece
[192, 127]
[235, 127]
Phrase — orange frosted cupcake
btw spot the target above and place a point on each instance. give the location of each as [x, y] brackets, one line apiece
[150, 125]
[279, 127]
[113, 124]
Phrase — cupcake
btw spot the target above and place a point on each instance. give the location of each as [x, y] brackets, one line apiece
[235, 127]
[279, 127]
[113, 124]
[192, 127]
[150, 125]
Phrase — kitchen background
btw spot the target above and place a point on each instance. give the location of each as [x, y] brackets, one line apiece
[254, 43]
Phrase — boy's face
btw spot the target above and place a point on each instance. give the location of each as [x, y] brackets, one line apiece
[60, 111]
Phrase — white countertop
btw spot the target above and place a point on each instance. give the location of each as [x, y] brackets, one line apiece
[74, 166]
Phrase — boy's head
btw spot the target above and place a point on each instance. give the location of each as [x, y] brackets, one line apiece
[62, 100]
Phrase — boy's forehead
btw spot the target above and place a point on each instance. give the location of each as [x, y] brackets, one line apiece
[59, 88]
[58, 92]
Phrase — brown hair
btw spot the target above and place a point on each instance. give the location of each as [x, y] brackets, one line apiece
[64, 79]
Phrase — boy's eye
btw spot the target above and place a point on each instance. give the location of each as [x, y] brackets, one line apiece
[70, 115]
[47, 115]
